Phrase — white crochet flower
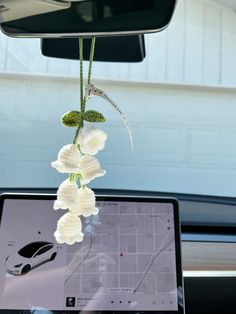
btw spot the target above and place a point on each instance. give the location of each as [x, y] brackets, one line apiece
[67, 196]
[90, 169]
[69, 229]
[87, 202]
[67, 160]
[91, 140]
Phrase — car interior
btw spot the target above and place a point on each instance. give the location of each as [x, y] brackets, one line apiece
[170, 64]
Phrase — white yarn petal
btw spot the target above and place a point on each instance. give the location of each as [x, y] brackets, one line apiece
[67, 195]
[87, 202]
[69, 229]
[91, 140]
[90, 169]
[67, 160]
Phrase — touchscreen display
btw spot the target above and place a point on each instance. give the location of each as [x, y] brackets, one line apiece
[126, 262]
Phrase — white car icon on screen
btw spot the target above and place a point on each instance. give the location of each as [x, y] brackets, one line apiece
[30, 256]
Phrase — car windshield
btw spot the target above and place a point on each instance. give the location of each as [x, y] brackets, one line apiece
[30, 249]
[180, 102]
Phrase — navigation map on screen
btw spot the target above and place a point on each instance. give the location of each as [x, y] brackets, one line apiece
[126, 262]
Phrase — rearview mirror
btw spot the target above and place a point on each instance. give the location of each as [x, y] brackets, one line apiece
[84, 18]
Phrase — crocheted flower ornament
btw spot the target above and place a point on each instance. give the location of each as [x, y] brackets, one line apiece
[78, 160]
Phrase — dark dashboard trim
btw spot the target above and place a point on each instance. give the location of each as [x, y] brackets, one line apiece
[189, 228]
[180, 196]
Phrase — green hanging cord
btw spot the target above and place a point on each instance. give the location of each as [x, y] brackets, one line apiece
[91, 57]
[81, 86]
[92, 49]
[81, 74]
[82, 98]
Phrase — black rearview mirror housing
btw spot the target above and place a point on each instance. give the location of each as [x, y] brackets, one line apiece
[108, 49]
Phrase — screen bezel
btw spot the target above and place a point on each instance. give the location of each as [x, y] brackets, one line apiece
[104, 198]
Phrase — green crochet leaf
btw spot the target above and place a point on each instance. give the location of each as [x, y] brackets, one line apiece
[94, 116]
[72, 119]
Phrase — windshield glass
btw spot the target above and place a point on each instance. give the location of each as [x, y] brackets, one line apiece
[180, 102]
[30, 249]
